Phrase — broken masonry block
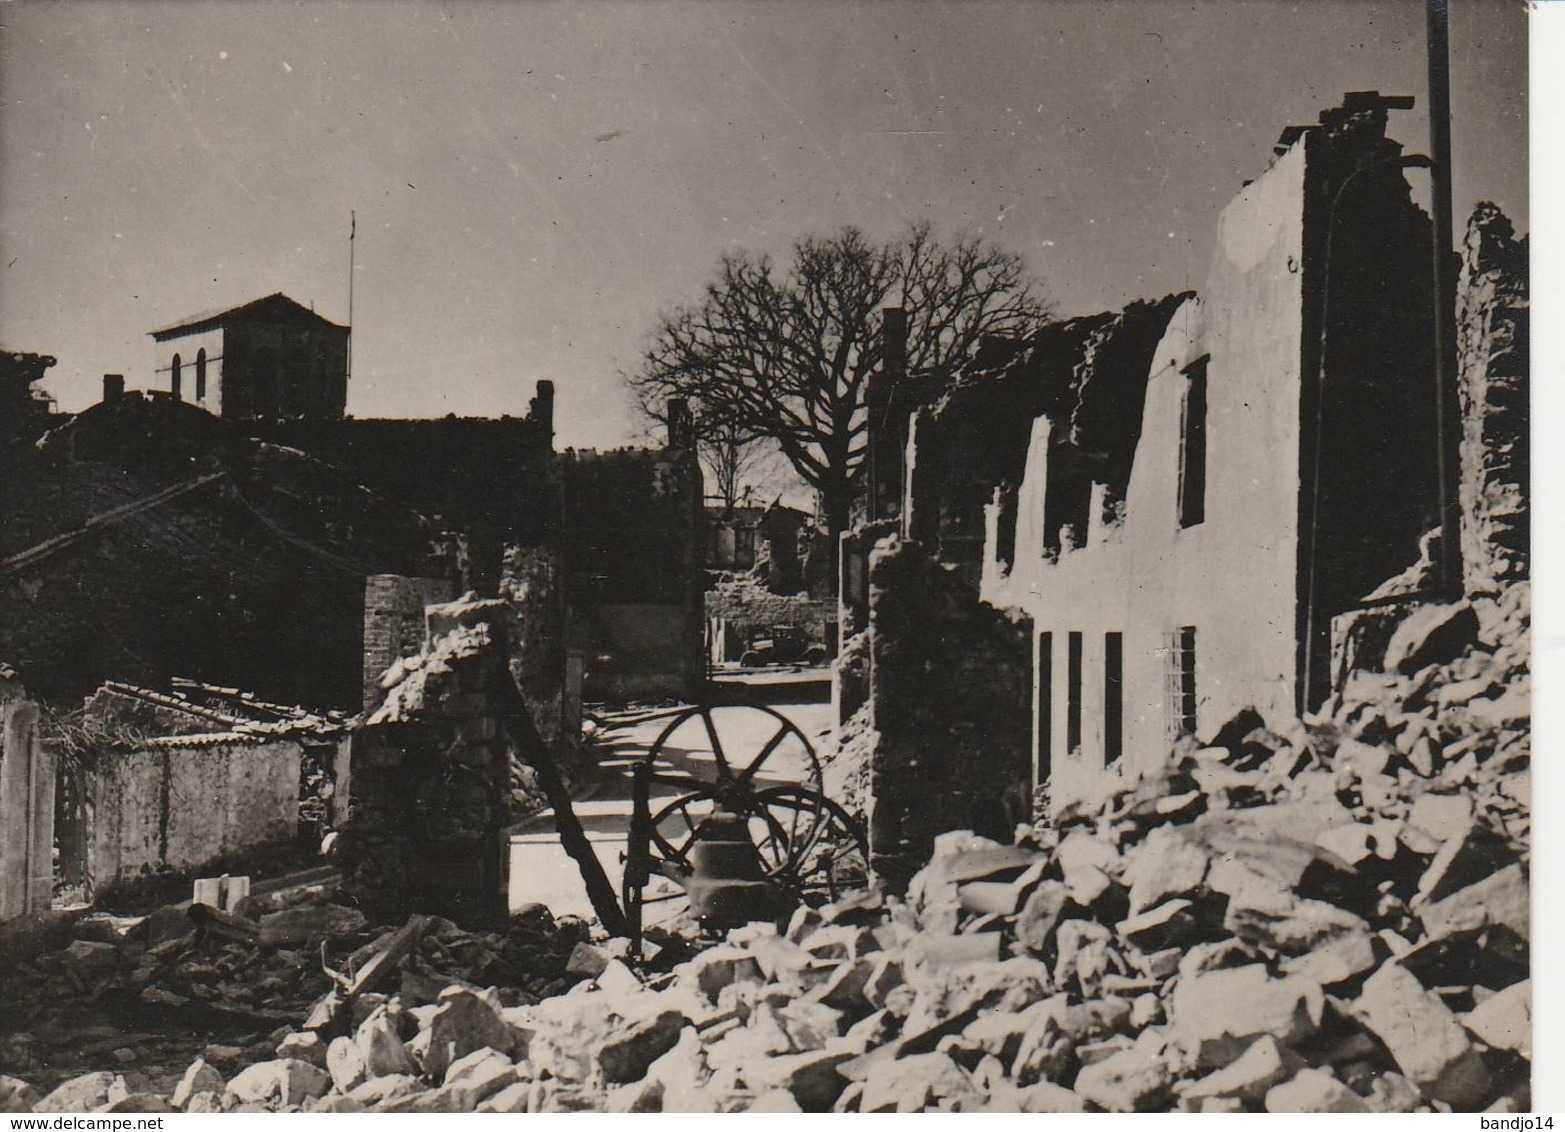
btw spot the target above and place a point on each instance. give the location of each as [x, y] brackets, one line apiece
[1218, 1013]
[1431, 634]
[1314, 1090]
[1424, 1037]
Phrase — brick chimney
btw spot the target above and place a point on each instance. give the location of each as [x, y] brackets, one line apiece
[113, 387]
[886, 401]
[541, 408]
[893, 345]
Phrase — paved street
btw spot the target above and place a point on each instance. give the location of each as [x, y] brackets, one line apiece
[540, 870]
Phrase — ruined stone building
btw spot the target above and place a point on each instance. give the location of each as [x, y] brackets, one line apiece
[732, 536]
[24, 408]
[633, 552]
[143, 539]
[1286, 464]
[742, 538]
[1146, 521]
[196, 778]
[147, 543]
[268, 358]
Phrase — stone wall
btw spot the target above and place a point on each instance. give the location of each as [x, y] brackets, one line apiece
[950, 695]
[850, 675]
[1088, 373]
[428, 802]
[1493, 355]
[737, 610]
[394, 623]
[181, 802]
[544, 665]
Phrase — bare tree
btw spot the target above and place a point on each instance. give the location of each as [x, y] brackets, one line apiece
[730, 454]
[786, 354]
[734, 458]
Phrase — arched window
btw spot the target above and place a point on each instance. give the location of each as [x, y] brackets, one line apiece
[174, 372]
[201, 374]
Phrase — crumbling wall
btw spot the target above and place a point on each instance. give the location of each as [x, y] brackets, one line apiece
[784, 542]
[532, 581]
[181, 802]
[1493, 347]
[428, 801]
[26, 806]
[1087, 373]
[950, 696]
[1165, 607]
[1369, 450]
[850, 674]
[394, 623]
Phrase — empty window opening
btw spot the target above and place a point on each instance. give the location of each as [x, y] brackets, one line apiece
[1067, 505]
[1005, 527]
[1192, 447]
[1073, 694]
[174, 376]
[1180, 688]
[1113, 696]
[200, 375]
[1044, 690]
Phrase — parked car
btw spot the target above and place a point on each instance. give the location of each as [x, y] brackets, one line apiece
[781, 644]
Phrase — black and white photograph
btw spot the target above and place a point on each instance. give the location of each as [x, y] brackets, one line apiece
[727, 556]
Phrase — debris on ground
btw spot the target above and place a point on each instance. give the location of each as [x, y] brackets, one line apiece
[1324, 916]
[153, 988]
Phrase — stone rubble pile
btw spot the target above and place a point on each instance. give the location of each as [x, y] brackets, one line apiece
[1327, 916]
[249, 982]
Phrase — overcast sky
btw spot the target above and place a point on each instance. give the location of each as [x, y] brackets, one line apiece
[535, 181]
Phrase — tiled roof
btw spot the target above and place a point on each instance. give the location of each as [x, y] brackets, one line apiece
[241, 715]
[208, 320]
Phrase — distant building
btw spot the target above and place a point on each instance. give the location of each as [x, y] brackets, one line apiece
[266, 359]
[731, 536]
[772, 540]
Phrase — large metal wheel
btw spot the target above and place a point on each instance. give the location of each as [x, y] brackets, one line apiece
[753, 761]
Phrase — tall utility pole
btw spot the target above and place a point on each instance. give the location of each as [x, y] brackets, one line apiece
[1447, 404]
[353, 230]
